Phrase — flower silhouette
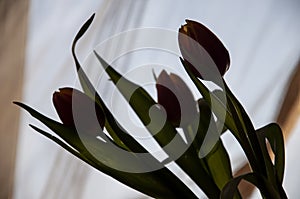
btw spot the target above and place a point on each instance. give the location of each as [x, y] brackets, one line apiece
[203, 53]
[76, 109]
[176, 98]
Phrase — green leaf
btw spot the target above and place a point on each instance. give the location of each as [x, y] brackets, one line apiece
[217, 105]
[122, 138]
[155, 183]
[267, 190]
[272, 132]
[66, 133]
[219, 164]
[217, 160]
[148, 183]
[219, 109]
[219, 94]
[142, 102]
[247, 130]
[85, 83]
[64, 145]
[84, 143]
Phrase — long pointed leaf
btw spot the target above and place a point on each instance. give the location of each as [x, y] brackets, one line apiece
[142, 102]
[122, 139]
[113, 128]
[148, 183]
[66, 133]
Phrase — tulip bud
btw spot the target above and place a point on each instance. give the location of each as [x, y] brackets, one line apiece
[76, 109]
[203, 53]
[176, 98]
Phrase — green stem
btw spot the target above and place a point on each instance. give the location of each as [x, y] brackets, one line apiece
[248, 130]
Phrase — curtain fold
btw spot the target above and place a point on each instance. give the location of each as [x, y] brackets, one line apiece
[13, 29]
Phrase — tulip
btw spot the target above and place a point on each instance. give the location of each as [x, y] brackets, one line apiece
[76, 109]
[203, 53]
[176, 98]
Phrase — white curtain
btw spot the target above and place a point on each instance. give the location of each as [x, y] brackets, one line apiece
[261, 36]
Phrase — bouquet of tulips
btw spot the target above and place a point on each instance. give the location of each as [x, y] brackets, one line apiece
[89, 130]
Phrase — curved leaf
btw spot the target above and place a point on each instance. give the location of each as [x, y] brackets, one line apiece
[272, 132]
[121, 138]
[230, 189]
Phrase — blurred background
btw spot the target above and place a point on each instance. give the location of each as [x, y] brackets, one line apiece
[35, 60]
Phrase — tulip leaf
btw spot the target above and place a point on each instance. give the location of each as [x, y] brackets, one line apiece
[121, 138]
[162, 176]
[64, 145]
[85, 83]
[217, 160]
[70, 135]
[66, 133]
[153, 183]
[247, 129]
[220, 124]
[142, 102]
[89, 89]
[83, 143]
[149, 183]
[266, 189]
[219, 164]
[272, 132]
[216, 105]
[231, 120]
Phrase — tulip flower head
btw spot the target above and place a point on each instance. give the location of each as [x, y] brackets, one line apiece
[76, 109]
[203, 53]
[176, 98]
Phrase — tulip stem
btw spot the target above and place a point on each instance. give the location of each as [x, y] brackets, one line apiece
[248, 129]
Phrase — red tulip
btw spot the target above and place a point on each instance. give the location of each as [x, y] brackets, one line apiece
[76, 109]
[177, 99]
[202, 51]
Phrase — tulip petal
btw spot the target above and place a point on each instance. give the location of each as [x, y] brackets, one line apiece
[166, 96]
[188, 103]
[202, 50]
[76, 109]
[177, 99]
